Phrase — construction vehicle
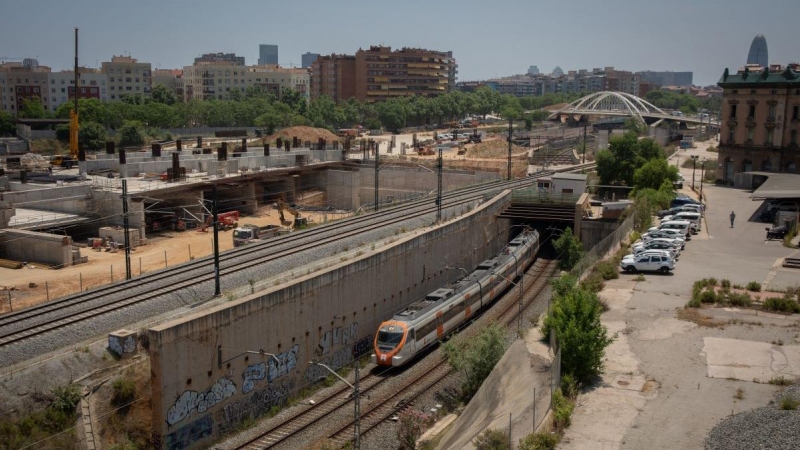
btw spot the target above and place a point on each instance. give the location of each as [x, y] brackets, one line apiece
[63, 161]
[248, 233]
[282, 206]
[425, 151]
[226, 220]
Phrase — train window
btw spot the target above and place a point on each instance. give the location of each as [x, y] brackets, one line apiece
[412, 334]
[427, 328]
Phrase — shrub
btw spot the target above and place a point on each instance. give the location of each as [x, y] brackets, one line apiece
[67, 398]
[754, 286]
[574, 316]
[562, 411]
[539, 441]
[607, 270]
[593, 282]
[491, 440]
[569, 249]
[569, 386]
[635, 236]
[124, 391]
[708, 296]
[412, 425]
[694, 303]
[725, 283]
[782, 304]
[476, 357]
[788, 403]
[739, 299]
[780, 381]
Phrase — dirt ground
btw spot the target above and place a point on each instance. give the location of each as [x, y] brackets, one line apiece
[162, 249]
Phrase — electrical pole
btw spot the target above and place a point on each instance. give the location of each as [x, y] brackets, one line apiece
[377, 185]
[73, 116]
[217, 290]
[584, 144]
[126, 226]
[357, 403]
[510, 130]
[439, 167]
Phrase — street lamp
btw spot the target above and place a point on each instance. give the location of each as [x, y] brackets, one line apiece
[702, 175]
[694, 167]
[356, 401]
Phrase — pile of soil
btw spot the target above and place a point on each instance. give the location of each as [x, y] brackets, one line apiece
[303, 133]
[494, 149]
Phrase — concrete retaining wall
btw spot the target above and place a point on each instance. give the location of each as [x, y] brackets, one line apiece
[35, 247]
[204, 381]
[594, 231]
[66, 199]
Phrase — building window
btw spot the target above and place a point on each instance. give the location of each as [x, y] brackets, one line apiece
[752, 112]
[731, 134]
[794, 137]
[771, 112]
[770, 134]
[795, 111]
[733, 111]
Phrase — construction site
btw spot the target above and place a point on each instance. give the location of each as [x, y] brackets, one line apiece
[63, 229]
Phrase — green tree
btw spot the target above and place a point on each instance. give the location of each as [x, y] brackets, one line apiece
[574, 316]
[7, 127]
[32, 108]
[654, 173]
[491, 440]
[475, 357]
[569, 249]
[131, 134]
[160, 94]
[92, 136]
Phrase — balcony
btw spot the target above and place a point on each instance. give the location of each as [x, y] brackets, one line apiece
[750, 122]
[732, 122]
[770, 123]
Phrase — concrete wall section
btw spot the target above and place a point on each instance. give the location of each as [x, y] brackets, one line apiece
[203, 378]
[108, 207]
[35, 247]
[66, 199]
[594, 231]
[342, 192]
[410, 183]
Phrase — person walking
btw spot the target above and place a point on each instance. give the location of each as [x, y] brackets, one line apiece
[733, 216]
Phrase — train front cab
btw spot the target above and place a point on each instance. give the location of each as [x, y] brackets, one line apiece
[393, 344]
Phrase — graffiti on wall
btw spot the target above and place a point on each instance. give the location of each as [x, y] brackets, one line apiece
[184, 436]
[270, 369]
[263, 400]
[190, 401]
[348, 348]
[122, 345]
[337, 336]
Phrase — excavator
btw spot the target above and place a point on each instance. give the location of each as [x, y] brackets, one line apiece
[298, 219]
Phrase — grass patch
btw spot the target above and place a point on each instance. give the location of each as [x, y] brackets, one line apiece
[725, 283]
[124, 391]
[739, 299]
[562, 411]
[693, 315]
[593, 282]
[780, 381]
[640, 277]
[753, 286]
[539, 441]
[53, 422]
[607, 270]
[739, 395]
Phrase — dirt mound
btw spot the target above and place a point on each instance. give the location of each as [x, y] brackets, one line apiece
[32, 161]
[304, 133]
[493, 149]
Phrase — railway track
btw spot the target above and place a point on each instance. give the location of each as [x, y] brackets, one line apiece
[403, 397]
[37, 320]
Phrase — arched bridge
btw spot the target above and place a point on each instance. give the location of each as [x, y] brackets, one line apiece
[608, 103]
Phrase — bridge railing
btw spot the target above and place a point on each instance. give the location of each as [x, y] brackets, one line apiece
[537, 196]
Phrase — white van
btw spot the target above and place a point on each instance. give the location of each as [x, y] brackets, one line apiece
[692, 207]
[694, 217]
[683, 225]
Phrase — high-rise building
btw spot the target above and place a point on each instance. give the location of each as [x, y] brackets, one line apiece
[127, 76]
[220, 57]
[533, 70]
[558, 71]
[172, 79]
[758, 52]
[760, 121]
[216, 80]
[307, 59]
[334, 76]
[267, 54]
[382, 74]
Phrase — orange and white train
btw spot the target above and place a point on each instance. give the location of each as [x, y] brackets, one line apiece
[427, 321]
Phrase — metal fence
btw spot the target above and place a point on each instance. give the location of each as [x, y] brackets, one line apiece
[602, 248]
[535, 195]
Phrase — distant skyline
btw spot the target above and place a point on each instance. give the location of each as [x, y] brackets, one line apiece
[487, 39]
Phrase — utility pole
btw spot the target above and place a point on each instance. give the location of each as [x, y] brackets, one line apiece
[217, 290]
[126, 226]
[510, 131]
[584, 144]
[73, 116]
[377, 185]
[439, 168]
[357, 407]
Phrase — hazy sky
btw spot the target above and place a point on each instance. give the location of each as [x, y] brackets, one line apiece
[488, 38]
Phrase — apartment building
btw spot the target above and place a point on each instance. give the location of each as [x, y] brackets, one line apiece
[21, 81]
[760, 120]
[206, 81]
[308, 58]
[220, 57]
[61, 89]
[267, 55]
[127, 76]
[172, 79]
[334, 76]
[382, 74]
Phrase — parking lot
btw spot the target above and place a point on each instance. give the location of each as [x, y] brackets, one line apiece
[671, 373]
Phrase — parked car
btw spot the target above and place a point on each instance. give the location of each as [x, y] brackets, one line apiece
[678, 184]
[648, 263]
[649, 252]
[657, 245]
[647, 237]
[667, 233]
[776, 232]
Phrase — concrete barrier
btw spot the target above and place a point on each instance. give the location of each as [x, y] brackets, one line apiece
[205, 381]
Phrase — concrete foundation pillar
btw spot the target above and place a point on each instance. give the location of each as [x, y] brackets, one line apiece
[122, 343]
